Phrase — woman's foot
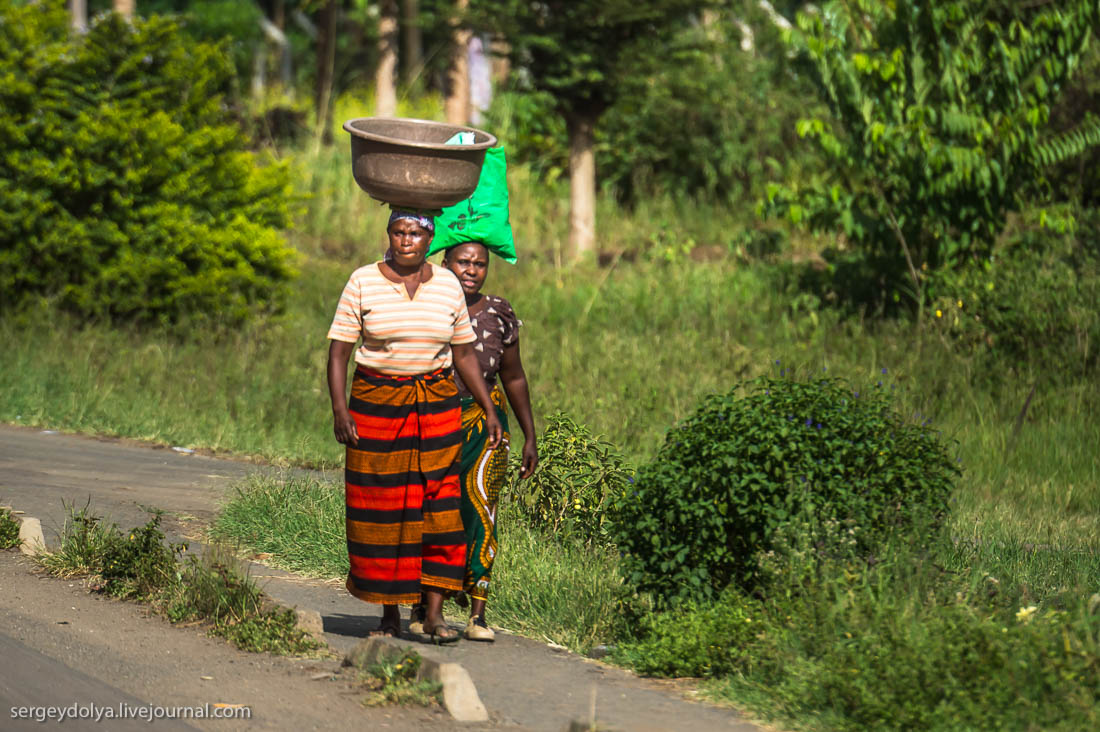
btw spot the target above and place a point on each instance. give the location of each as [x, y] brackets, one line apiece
[440, 633]
[435, 627]
[386, 631]
[416, 619]
[478, 630]
[390, 624]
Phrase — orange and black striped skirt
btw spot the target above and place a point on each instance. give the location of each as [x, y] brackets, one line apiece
[402, 488]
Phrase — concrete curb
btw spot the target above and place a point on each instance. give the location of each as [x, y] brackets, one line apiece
[32, 541]
[460, 696]
[309, 621]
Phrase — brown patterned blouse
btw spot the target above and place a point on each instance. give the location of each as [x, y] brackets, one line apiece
[496, 327]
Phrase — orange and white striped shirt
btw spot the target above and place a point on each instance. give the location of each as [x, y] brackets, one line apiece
[402, 335]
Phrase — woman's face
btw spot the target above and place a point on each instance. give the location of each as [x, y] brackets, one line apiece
[470, 263]
[408, 242]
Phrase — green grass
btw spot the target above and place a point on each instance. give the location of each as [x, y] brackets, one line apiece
[9, 530]
[209, 589]
[562, 593]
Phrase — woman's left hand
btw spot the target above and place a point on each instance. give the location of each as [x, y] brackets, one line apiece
[530, 459]
[496, 432]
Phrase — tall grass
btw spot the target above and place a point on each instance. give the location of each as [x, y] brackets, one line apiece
[541, 587]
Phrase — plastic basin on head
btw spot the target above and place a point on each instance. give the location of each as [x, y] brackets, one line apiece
[406, 163]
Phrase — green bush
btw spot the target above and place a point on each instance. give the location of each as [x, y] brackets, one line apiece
[902, 644]
[748, 461]
[693, 640]
[125, 190]
[1032, 304]
[578, 478]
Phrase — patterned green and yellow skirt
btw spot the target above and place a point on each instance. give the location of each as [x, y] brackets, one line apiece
[483, 471]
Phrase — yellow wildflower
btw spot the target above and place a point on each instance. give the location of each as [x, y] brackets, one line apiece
[1025, 613]
[939, 313]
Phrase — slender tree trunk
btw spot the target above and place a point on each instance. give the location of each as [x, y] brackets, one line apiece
[385, 99]
[457, 104]
[326, 62]
[499, 49]
[413, 52]
[78, 9]
[125, 8]
[582, 183]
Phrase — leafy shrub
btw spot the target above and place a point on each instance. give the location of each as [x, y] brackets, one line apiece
[901, 645]
[9, 530]
[136, 565]
[125, 190]
[1032, 303]
[747, 462]
[694, 640]
[577, 479]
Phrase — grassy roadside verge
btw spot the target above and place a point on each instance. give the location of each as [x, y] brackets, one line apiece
[542, 588]
[209, 590]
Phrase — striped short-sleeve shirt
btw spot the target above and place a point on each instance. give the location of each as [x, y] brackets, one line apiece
[402, 335]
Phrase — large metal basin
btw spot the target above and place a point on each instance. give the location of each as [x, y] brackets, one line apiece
[405, 162]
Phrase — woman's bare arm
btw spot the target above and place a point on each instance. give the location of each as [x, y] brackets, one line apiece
[514, 380]
[343, 426]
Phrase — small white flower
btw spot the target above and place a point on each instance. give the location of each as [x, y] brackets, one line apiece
[1025, 613]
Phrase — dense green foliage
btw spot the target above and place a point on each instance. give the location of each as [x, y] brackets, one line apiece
[578, 477]
[998, 636]
[125, 189]
[1030, 308]
[937, 132]
[745, 463]
[579, 50]
[713, 639]
[703, 118]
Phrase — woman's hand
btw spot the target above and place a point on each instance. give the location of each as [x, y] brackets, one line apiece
[530, 459]
[496, 431]
[343, 426]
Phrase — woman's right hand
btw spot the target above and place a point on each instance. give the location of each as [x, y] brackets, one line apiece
[343, 426]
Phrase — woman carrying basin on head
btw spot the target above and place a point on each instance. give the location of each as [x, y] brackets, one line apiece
[402, 425]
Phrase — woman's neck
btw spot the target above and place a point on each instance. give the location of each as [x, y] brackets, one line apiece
[473, 299]
[404, 270]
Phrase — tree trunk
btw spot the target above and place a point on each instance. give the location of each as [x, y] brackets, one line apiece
[326, 62]
[78, 9]
[125, 8]
[413, 53]
[385, 99]
[582, 184]
[502, 67]
[457, 104]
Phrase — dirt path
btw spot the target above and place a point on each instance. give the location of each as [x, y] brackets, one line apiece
[523, 683]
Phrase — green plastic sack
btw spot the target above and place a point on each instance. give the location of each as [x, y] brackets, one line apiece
[483, 217]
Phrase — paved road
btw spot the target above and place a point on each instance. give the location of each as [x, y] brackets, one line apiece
[524, 684]
[29, 697]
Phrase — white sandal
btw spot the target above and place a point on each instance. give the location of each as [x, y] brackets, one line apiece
[477, 630]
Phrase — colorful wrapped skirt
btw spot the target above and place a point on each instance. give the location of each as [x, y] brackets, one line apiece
[404, 530]
[483, 470]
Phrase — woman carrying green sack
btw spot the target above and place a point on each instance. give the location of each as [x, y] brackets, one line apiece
[467, 233]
